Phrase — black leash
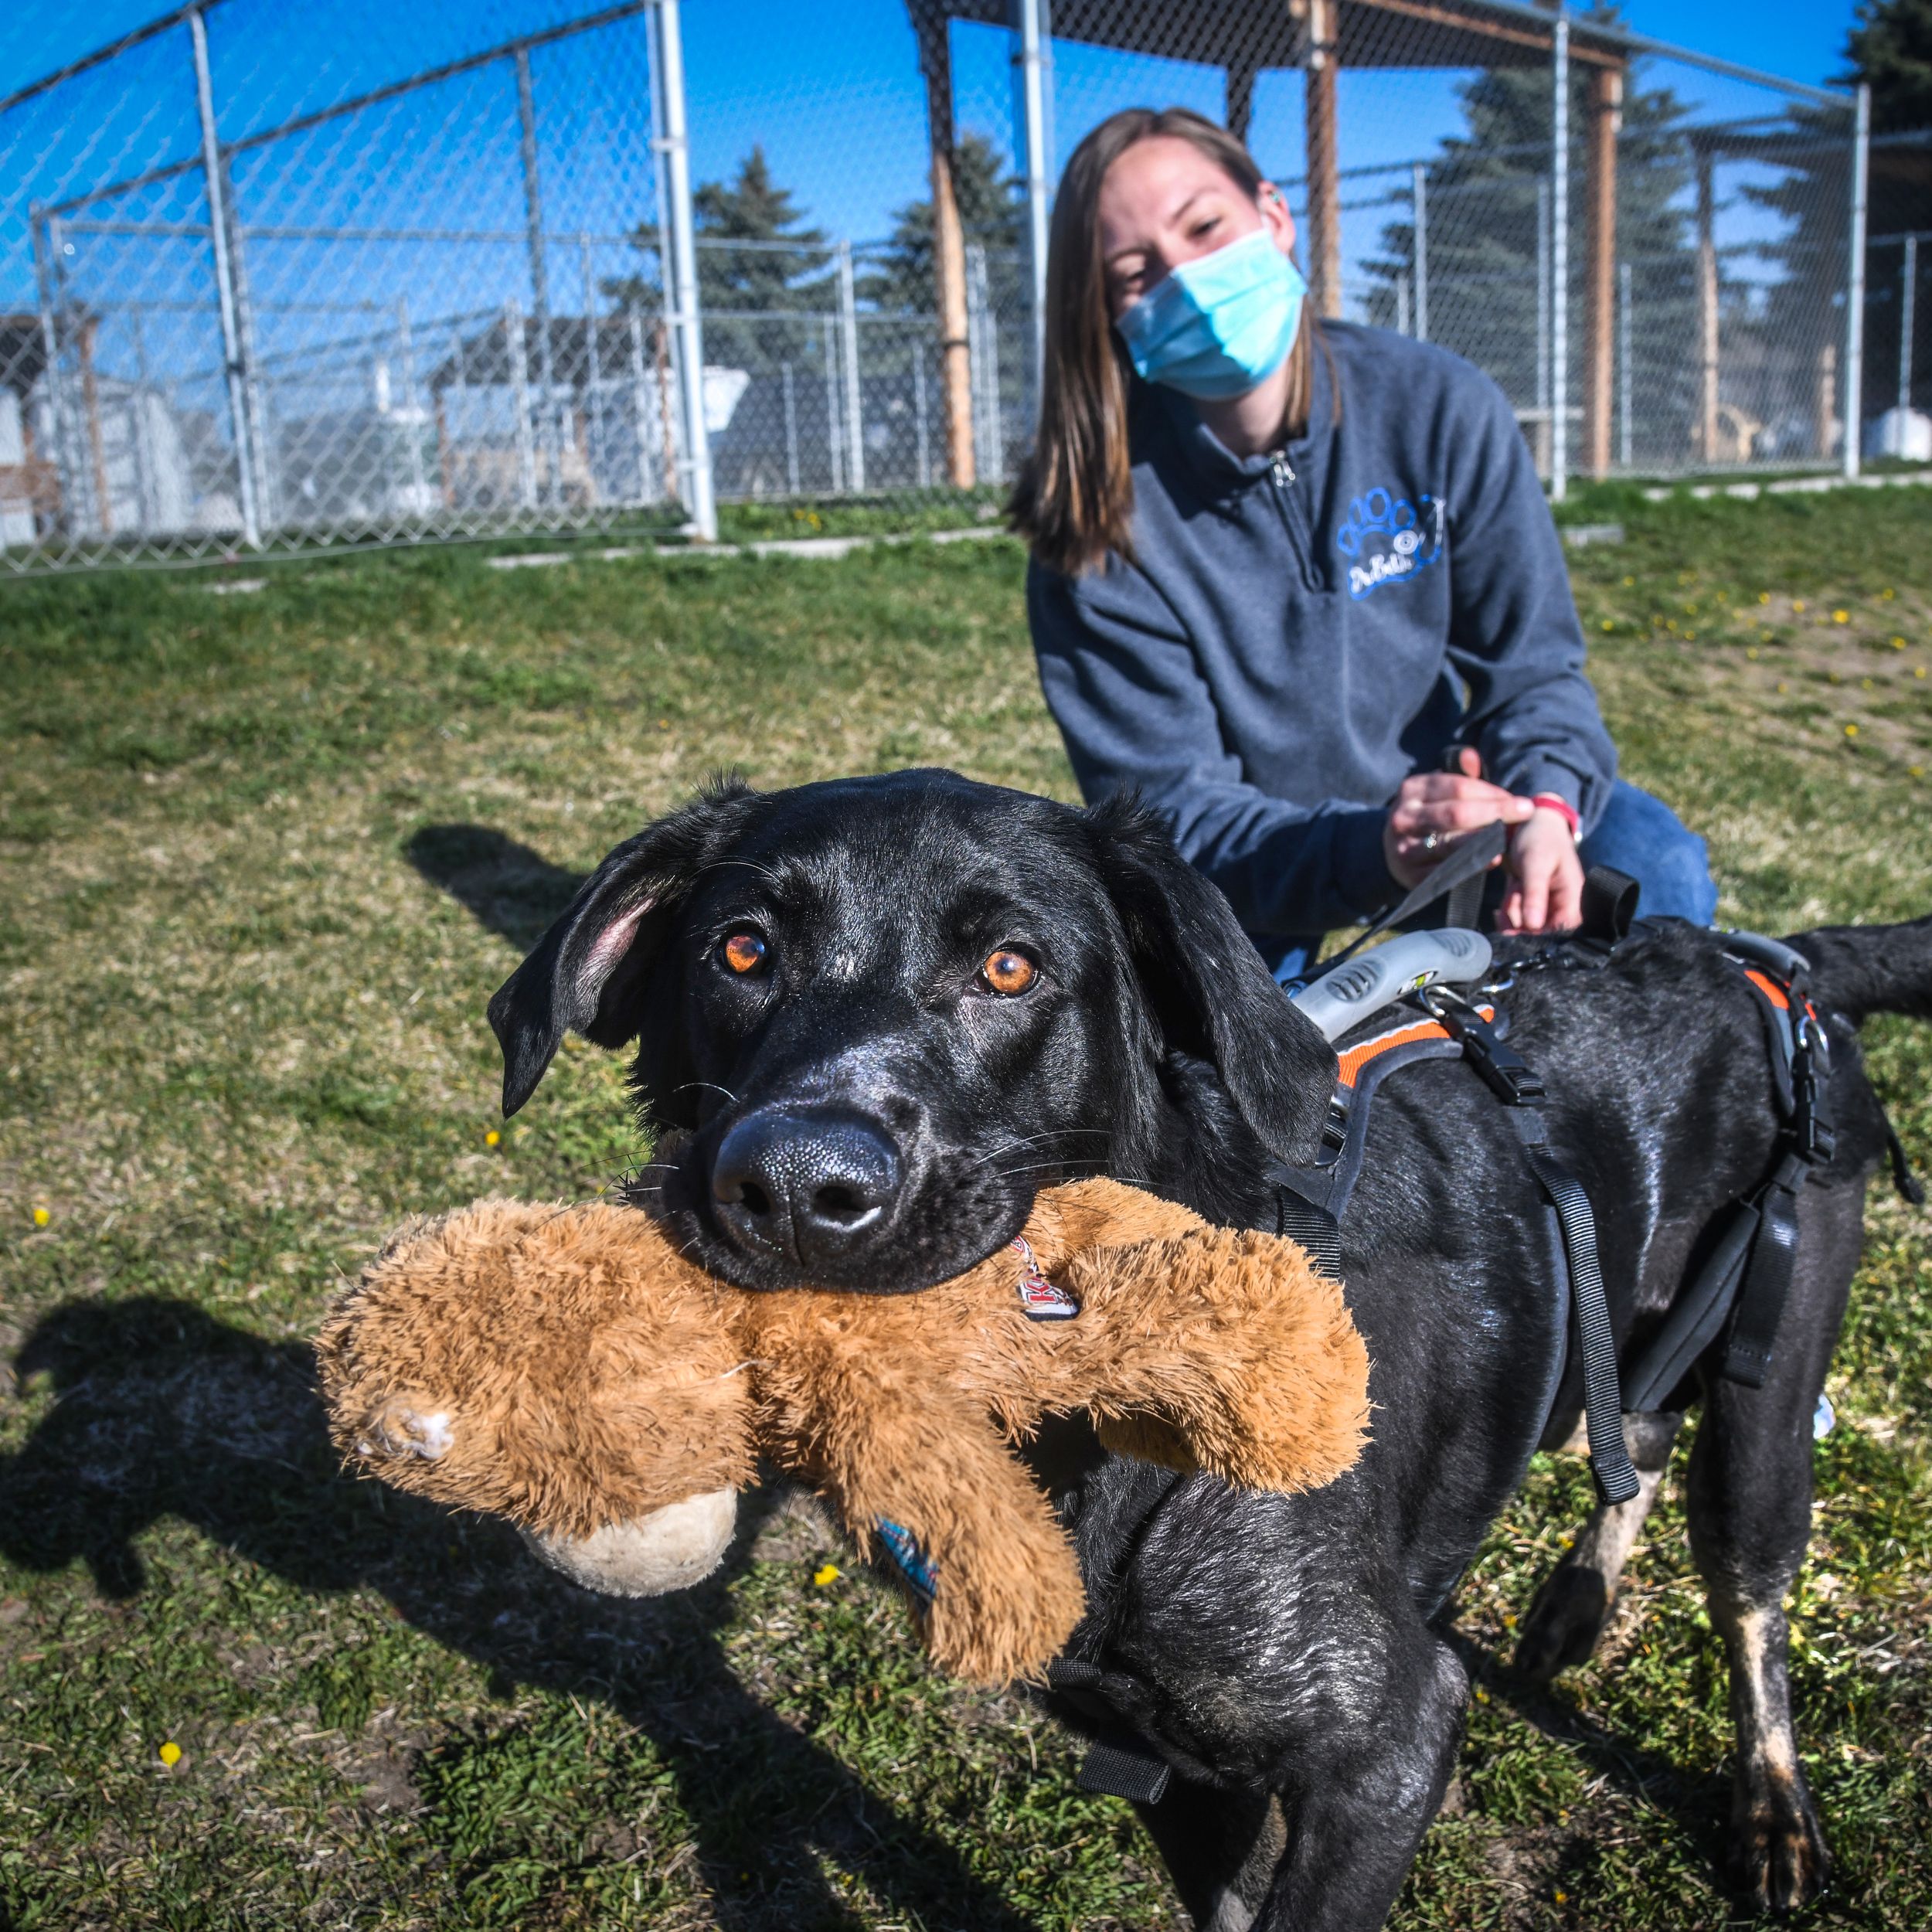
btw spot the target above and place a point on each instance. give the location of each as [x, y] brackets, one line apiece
[1461, 873]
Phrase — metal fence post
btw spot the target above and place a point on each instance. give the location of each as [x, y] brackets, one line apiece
[1559, 261]
[641, 408]
[1419, 247]
[835, 442]
[1543, 325]
[593, 372]
[268, 500]
[1855, 293]
[553, 488]
[921, 432]
[44, 252]
[848, 324]
[792, 429]
[1036, 85]
[247, 472]
[672, 144]
[1908, 320]
[1623, 364]
[982, 332]
[411, 415]
[516, 353]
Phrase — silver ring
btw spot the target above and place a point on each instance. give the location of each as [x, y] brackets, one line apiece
[1431, 840]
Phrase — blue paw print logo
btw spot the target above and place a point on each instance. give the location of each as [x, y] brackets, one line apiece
[1388, 540]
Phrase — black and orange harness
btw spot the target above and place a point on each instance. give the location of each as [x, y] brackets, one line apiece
[1747, 1276]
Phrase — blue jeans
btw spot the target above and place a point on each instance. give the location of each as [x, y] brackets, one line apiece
[1638, 835]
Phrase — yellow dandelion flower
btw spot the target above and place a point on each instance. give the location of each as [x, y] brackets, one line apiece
[1797, 604]
[1920, 672]
[1764, 596]
[1841, 617]
[493, 1139]
[1898, 644]
[41, 1217]
[825, 1573]
[1782, 685]
[1628, 582]
[169, 1754]
[1851, 731]
[1888, 595]
[1752, 653]
[1608, 625]
[1915, 771]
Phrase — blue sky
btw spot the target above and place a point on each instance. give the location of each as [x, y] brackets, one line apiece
[833, 93]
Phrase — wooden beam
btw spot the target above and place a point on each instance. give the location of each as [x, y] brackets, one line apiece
[1706, 432]
[1599, 267]
[949, 251]
[1513, 34]
[1325, 186]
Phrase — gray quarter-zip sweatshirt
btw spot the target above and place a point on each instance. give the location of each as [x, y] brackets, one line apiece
[1296, 634]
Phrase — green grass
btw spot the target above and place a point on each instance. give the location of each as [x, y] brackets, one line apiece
[266, 856]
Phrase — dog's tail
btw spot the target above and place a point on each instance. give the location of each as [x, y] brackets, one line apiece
[1858, 970]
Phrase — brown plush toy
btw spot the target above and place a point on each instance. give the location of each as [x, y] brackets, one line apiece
[564, 1367]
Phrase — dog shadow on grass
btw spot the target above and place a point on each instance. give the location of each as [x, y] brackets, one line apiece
[164, 1410]
[507, 887]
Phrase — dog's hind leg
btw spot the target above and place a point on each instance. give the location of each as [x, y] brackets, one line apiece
[1571, 1610]
[1750, 1506]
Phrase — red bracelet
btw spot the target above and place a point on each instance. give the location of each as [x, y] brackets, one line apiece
[1553, 801]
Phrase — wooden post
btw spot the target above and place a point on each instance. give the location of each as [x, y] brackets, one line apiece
[1240, 98]
[949, 251]
[1600, 291]
[1706, 312]
[1324, 188]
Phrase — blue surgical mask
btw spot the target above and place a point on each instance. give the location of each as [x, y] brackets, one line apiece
[1220, 324]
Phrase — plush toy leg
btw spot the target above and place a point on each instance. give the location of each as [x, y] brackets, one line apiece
[1230, 1338]
[670, 1549]
[886, 1448]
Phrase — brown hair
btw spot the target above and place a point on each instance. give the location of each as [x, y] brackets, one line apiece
[1074, 500]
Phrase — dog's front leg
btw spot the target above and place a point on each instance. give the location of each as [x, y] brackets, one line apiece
[1356, 1809]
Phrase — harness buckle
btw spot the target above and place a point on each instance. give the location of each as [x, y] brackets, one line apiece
[1505, 1071]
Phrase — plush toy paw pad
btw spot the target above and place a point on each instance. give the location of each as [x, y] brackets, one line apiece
[397, 1430]
[666, 1549]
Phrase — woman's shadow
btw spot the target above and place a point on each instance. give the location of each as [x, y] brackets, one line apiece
[163, 1410]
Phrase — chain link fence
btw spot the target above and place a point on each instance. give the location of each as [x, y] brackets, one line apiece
[272, 278]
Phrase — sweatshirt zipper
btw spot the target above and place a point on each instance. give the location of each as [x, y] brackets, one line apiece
[1281, 474]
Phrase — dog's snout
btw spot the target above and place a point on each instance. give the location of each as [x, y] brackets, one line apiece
[810, 1184]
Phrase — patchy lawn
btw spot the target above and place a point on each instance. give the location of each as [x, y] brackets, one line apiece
[264, 857]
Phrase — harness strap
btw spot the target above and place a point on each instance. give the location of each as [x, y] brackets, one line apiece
[1120, 1761]
[1509, 1077]
[1603, 1400]
[1767, 1280]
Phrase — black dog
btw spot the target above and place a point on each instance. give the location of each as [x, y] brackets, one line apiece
[874, 1017]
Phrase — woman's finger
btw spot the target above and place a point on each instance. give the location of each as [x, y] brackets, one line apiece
[1428, 785]
[1448, 816]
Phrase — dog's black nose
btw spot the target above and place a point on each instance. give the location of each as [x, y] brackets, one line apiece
[808, 1183]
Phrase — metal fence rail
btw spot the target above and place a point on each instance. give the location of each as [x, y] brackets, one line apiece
[466, 282]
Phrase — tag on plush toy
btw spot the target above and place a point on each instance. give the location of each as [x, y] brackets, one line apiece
[1037, 1296]
[920, 1572]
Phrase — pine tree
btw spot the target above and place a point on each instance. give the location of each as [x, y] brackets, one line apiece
[1489, 203]
[1890, 50]
[991, 214]
[787, 269]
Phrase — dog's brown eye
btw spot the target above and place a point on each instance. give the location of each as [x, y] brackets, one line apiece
[744, 952]
[1008, 972]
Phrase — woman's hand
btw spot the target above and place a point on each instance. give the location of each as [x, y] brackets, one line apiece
[1434, 808]
[1545, 892]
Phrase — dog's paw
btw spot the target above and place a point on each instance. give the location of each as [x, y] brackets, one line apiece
[1564, 1622]
[1779, 1859]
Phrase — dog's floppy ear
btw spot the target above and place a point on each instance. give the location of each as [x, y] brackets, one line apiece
[584, 975]
[1207, 987]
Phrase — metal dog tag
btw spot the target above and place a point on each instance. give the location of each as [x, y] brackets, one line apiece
[1037, 1296]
